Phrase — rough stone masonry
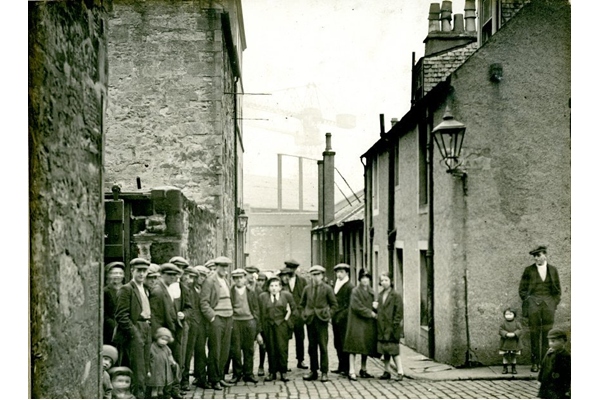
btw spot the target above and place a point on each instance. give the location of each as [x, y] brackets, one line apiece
[67, 93]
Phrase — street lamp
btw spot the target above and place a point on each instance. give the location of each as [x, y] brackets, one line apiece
[449, 136]
[242, 221]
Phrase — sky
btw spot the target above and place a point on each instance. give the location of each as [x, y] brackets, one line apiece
[343, 56]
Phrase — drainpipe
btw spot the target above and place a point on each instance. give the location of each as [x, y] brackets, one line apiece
[367, 214]
[235, 157]
[391, 202]
[430, 243]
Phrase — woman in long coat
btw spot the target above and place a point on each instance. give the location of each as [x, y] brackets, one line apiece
[361, 334]
[389, 326]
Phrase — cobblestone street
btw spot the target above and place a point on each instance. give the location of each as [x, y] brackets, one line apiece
[341, 388]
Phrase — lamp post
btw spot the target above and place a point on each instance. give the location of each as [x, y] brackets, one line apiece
[242, 226]
[449, 136]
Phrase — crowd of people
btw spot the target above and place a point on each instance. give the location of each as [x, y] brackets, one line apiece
[171, 315]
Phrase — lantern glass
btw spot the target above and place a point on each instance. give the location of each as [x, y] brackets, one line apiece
[243, 221]
[449, 136]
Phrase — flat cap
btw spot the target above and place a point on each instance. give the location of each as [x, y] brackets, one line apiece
[118, 371]
[168, 268]
[139, 263]
[202, 270]
[209, 263]
[191, 271]
[316, 269]
[251, 269]
[180, 262]
[273, 279]
[286, 271]
[291, 263]
[262, 275]
[538, 249]
[222, 260]
[557, 333]
[342, 266]
[114, 264]
[238, 272]
[154, 270]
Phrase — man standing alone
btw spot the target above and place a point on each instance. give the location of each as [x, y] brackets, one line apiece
[540, 292]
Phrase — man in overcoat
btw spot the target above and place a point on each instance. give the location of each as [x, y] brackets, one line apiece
[115, 272]
[318, 304]
[342, 290]
[133, 335]
[295, 285]
[540, 292]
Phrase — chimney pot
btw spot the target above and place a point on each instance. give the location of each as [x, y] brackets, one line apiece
[381, 125]
[459, 23]
[394, 121]
[328, 141]
[446, 15]
[470, 16]
[434, 17]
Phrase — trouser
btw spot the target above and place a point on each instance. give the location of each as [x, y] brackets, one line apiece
[541, 320]
[137, 357]
[318, 336]
[339, 333]
[277, 341]
[219, 339]
[262, 353]
[299, 338]
[242, 342]
[196, 347]
[178, 349]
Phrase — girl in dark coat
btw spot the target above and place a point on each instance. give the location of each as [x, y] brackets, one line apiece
[163, 368]
[389, 326]
[361, 334]
[510, 346]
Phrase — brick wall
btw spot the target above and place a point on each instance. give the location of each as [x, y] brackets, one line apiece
[67, 92]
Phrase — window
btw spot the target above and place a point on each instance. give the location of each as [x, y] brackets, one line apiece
[375, 185]
[423, 286]
[423, 171]
[489, 21]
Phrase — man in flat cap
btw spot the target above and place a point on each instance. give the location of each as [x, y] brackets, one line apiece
[115, 272]
[295, 285]
[251, 275]
[164, 312]
[318, 304]
[197, 334]
[215, 303]
[342, 289]
[133, 314]
[152, 277]
[540, 292]
[210, 264]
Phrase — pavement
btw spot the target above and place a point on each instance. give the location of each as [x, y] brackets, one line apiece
[423, 379]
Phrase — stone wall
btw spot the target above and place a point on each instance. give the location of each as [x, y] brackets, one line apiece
[67, 94]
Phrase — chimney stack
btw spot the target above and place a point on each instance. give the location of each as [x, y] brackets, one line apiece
[394, 121]
[470, 16]
[381, 125]
[446, 16]
[328, 181]
[459, 24]
[434, 17]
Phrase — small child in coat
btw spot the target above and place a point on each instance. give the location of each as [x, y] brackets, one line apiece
[163, 368]
[110, 356]
[510, 346]
[555, 372]
[120, 379]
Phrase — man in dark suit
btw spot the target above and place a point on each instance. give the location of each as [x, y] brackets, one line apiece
[342, 290]
[164, 312]
[540, 292]
[115, 272]
[133, 325]
[215, 303]
[318, 304]
[295, 285]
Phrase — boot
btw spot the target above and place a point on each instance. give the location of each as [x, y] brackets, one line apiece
[505, 369]
[514, 369]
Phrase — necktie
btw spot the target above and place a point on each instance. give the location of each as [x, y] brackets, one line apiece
[273, 298]
[145, 304]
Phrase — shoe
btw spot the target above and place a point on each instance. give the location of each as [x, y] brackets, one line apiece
[364, 374]
[200, 384]
[386, 375]
[534, 368]
[261, 372]
[224, 383]
[284, 378]
[270, 377]
[504, 369]
[344, 373]
[216, 386]
[185, 387]
[513, 369]
[337, 371]
[352, 377]
[176, 396]
[399, 378]
[324, 377]
[289, 370]
[312, 376]
[250, 378]
[235, 380]
[301, 365]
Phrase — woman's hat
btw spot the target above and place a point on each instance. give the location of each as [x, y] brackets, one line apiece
[110, 352]
[363, 273]
[164, 332]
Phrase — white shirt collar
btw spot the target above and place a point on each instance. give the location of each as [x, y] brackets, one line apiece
[339, 283]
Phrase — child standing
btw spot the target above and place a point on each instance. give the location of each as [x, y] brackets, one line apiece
[110, 355]
[510, 346]
[163, 368]
[555, 373]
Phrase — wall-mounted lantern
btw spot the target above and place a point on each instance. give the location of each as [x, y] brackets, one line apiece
[242, 221]
[449, 136]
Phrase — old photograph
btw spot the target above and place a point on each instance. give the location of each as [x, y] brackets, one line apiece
[320, 199]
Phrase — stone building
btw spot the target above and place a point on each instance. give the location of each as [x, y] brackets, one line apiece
[175, 104]
[457, 245]
[68, 78]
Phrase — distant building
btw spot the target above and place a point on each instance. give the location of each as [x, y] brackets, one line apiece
[457, 247]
